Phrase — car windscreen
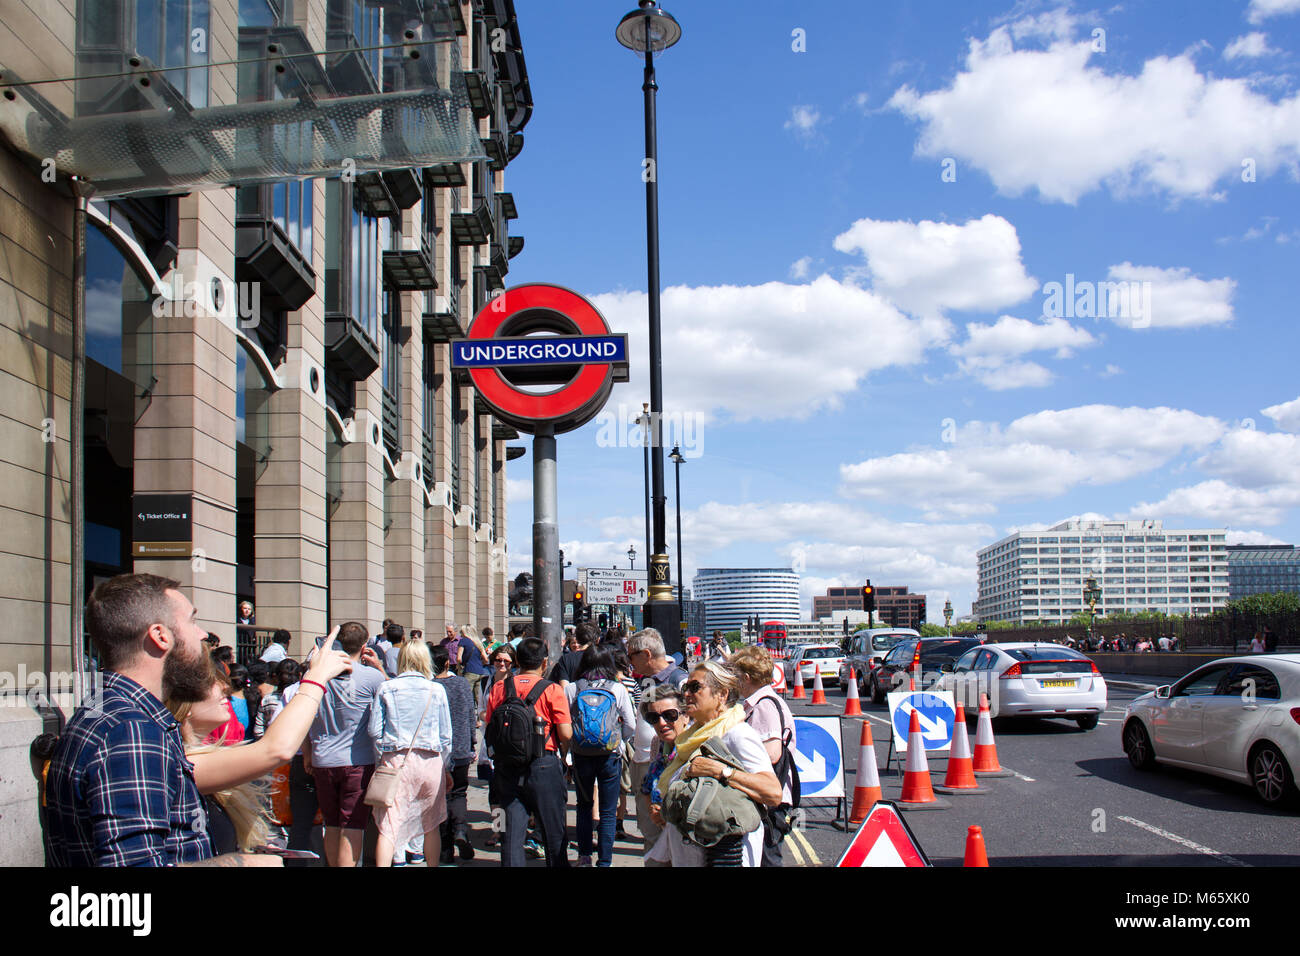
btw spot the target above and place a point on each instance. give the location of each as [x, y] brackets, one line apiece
[946, 650]
[1047, 660]
[883, 642]
[817, 653]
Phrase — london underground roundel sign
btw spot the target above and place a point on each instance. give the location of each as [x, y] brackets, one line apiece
[542, 355]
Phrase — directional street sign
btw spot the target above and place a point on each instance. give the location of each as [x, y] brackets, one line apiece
[819, 756]
[884, 839]
[615, 586]
[937, 714]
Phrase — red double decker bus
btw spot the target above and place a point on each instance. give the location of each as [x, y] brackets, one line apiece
[773, 637]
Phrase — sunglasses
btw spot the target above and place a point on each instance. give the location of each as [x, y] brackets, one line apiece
[670, 716]
[503, 660]
[692, 687]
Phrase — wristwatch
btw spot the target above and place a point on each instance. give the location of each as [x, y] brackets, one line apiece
[726, 775]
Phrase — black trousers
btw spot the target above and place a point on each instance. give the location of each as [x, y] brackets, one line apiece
[303, 832]
[538, 789]
[457, 811]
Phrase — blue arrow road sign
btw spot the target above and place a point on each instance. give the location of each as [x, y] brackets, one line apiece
[818, 755]
[937, 714]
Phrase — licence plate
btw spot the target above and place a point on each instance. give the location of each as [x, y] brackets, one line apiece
[1057, 683]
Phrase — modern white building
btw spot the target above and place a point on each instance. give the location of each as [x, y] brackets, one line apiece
[731, 595]
[1139, 566]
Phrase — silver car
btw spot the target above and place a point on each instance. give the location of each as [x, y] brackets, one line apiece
[1029, 680]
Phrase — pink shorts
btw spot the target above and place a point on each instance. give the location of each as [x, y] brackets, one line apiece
[421, 801]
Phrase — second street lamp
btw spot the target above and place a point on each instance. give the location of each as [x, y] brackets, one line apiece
[647, 31]
[677, 458]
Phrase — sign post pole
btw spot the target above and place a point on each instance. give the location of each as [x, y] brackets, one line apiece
[548, 607]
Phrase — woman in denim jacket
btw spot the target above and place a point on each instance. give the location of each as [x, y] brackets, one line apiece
[410, 723]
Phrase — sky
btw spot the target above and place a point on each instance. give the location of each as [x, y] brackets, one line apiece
[931, 272]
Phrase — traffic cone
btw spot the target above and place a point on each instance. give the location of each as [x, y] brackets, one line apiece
[975, 855]
[798, 692]
[911, 680]
[819, 692]
[961, 767]
[866, 790]
[986, 751]
[916, 776]
[852, 706]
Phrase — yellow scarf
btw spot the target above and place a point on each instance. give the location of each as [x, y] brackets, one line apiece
[694, 736]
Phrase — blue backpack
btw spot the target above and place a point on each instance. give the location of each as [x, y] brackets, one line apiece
[595, 721]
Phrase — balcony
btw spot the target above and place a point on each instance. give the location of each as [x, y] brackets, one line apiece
[481, 77]
[348, 349]
[514, 246]
[497, 142]
[426, 459]
[392, 424]
[475, 227]
[410, 269]
[264, 254]
[404, 186]
[376, 199]
[443, 323]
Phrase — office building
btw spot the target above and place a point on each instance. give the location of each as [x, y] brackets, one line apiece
[731, 595]
[297, 204]
[1262, 569]
[1138, 565]
[895, 607]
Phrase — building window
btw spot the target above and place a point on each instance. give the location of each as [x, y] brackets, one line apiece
[167, 32]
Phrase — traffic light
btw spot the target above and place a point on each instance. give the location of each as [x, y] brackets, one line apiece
[921, 619]
[868, 597]
[578, 608]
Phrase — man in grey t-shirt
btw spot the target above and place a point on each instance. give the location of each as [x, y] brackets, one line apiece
[339, 752]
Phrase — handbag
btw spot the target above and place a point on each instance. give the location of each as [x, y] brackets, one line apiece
[707, 811]
[382, 789]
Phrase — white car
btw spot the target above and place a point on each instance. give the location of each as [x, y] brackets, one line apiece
[807, 659]
[1029, 680]
[1238, 717]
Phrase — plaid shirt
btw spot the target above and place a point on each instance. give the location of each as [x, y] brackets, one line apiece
[120, 790]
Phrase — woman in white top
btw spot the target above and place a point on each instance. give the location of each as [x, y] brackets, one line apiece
[710, 699]
[410, 722]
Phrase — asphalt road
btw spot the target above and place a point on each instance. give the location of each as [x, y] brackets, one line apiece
[1074, 801]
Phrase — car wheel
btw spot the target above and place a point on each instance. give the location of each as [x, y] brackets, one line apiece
[1137, 744]
[1271, 777]
[1087, 723]
[876, 696]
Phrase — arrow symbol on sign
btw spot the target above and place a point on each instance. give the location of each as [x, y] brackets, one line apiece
[811, 770]
[930, 729]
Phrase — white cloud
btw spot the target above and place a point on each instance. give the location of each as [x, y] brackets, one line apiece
[1178, 300]
[803, 120]
[1286, 416]
[519, 491]
[1111, 370]
[799, 268]
[1042, 455]
[1251, 45]
[104, 308]
[1252, 537]
[1255, 459]
[861, 100]
[720, 341]
[1261, 10]
[929, 268]
[989, 350]
[1223, 503]
[1053, 120]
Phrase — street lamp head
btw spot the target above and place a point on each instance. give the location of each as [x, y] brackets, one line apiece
[676, 455]
[631, 554]
[648, 29]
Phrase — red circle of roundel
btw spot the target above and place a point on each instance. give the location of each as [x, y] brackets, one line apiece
[492, 385]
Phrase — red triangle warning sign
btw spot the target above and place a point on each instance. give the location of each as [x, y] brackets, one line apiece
[884, 839]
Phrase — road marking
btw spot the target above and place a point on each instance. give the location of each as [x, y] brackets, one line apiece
[1017, 773]
[796, 839]
[1183, 841]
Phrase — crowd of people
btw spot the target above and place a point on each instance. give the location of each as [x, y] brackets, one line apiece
[188, 757]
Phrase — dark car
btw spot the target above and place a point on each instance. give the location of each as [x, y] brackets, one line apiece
[866, 649]
[922, 657]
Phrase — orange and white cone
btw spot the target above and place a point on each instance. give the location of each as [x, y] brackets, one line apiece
[798, 692]
[852, 705]
[975, 855]
[961, 767]
[916, 776]
[866, 790]
[986, 751]
[819, 692]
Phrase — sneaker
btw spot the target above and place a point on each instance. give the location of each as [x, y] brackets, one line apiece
[447, 858]
[465, 847]
[621, 834]
[532, 849]
[414, 859]
[584, 861]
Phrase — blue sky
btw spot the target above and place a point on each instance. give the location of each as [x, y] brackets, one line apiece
[858, 240]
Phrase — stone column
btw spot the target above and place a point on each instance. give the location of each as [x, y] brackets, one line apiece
[483, 532]
[357, 525]
[404, 542]
[501, 560]
[465, 534]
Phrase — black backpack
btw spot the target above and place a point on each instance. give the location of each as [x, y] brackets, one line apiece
[515, 733]
[780, 819]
